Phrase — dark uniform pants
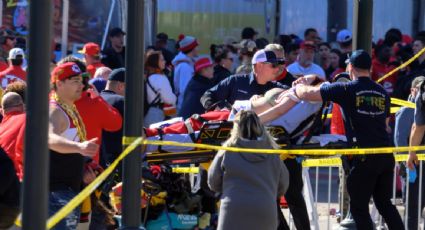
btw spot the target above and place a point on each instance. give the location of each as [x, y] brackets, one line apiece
[412, 215]
[372, 176]
[294, 195]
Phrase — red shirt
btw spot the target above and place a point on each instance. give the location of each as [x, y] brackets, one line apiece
[12, 132]
[97, 115]
[3, 65]
[380, 69]
[11, 74]
[91, 69]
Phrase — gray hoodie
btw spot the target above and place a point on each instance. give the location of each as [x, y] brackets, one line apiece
[250, 184]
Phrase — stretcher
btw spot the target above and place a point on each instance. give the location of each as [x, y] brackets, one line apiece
[213, 128]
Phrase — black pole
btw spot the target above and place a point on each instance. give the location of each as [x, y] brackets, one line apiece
[35, 188]
[362, 25]
[133, 113]
[337, 18]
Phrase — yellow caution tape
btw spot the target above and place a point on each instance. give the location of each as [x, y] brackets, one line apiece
[402, 65]
[404, 103]
[63, 212]
[336, 161]
[77, 200]
[128, 140]
[325, 162]
[186, 170]
[321, 152]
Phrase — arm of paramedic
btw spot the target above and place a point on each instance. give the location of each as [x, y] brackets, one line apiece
[215, 173]
[219, 92]
[278, 110]
[57, 125]
[111, 118]
[283, 179]
[417, 132]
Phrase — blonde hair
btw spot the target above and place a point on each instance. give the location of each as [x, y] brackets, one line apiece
[274, 47]
[247, 125]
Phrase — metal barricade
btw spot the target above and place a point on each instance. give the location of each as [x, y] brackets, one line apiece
[324, 209]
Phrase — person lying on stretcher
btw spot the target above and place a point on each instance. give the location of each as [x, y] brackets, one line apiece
[278, 107]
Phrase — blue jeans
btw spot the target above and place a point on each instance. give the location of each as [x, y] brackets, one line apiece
[57, 200]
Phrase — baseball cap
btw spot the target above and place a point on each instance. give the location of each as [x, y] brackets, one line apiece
[248, 33]
[202, 63]
[262, 56]
[64, 71]
[307, 45]
[360, 59]
[90, 49]
[15, 52]
[99, 83]
[116, 31]
[162, 37]
[117, 75]
[344, 36]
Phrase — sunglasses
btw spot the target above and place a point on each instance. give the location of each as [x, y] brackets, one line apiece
[276, 64]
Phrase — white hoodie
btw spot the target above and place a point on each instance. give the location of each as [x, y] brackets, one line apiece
[183, 72]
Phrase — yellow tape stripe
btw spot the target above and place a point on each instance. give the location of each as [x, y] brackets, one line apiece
[128, 140]
[186, 170]
[402, 65]
[404, 103]
[63, 212]
[322, 152]
[336, 161]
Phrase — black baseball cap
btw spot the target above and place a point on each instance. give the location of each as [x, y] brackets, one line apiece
[117, 75]
[162, 37]
[360, 59]
[116, 32]
[248, 33]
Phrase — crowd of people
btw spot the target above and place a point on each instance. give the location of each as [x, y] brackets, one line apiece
[87, 107]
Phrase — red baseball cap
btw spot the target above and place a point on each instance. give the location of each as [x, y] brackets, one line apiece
[91, 49]
[202, 63]
[307, 45]
[64, 71]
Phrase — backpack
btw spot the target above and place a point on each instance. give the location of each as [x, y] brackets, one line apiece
[156, 101]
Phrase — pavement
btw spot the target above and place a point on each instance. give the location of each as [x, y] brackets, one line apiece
[327, 219]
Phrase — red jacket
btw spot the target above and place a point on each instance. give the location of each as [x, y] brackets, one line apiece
[380, 69]
[12, 132]
[97, 115]
[11, 74]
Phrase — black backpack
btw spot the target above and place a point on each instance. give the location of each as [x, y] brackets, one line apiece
[156, 101]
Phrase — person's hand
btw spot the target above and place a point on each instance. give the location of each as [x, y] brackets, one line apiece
[306, 80]
[89, 175]
[412, 160]
[254, 98]
[388, 129]
[88, 148]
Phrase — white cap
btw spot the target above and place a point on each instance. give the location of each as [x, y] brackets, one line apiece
[344, 36]
[13, 53]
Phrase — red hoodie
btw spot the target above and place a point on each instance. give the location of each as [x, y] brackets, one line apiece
[97, 115]
[12, 133]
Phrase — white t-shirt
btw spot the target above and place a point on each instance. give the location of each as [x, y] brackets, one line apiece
[296, 69]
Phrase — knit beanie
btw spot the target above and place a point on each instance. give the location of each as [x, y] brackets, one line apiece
[187, 43]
